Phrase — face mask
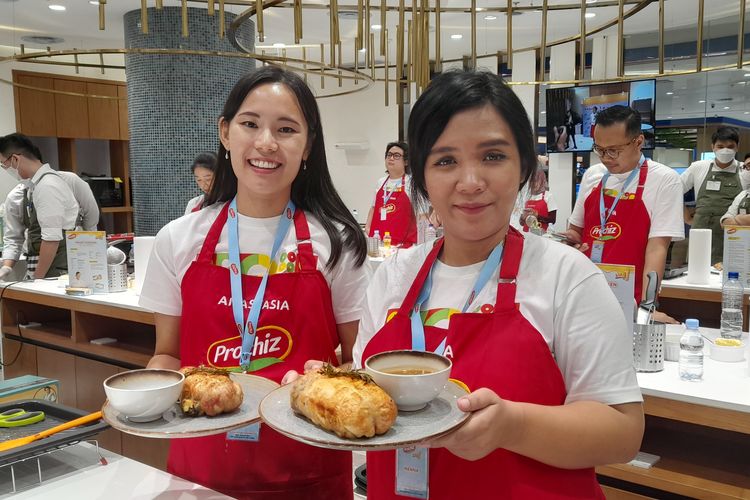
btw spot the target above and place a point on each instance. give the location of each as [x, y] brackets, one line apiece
[13, 172]
[725, 155]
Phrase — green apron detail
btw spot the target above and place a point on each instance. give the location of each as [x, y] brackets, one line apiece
[712, 204]
[59, 264]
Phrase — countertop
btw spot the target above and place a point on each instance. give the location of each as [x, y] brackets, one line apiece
[56, 287]
[75, 472]
[724, 385]
[682, 283]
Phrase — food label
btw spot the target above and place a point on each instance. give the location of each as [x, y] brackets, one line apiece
[248, 433]
[412, 472]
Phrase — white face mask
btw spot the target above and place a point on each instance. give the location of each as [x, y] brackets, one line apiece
[725, 155]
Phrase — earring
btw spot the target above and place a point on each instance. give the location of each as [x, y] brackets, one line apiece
[304, 165]
[226, 155]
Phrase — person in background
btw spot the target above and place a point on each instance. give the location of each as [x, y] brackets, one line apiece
[628, 209]
[274, 217]
[716, 183]
[544, 350]
[204, 167]
[50, 208]
[392, 210]
[541, 205]
[746, 161]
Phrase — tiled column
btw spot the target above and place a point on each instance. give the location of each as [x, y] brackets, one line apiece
[174, 102]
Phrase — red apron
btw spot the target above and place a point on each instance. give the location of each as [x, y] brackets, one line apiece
[626, 231]
[499, 350]
[542, 210]
[400, 220]
[296, 324]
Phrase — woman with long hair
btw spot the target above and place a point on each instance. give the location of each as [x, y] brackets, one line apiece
[275, 254]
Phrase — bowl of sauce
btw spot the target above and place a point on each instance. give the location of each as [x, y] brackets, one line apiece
[411, 378]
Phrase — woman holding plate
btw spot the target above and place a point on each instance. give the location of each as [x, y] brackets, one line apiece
[275, 254]
[530, 325]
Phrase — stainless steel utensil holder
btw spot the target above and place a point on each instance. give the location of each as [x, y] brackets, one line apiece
[648, 347]
[118, 277]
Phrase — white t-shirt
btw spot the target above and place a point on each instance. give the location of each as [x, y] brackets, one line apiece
[194, 202]
[178, 244]
[696, 173]
[56, 207]
[662, 196]
[560, 292]
[391, 185]
[548, 198]
[734, 208]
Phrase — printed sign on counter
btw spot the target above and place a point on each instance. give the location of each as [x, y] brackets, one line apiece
[621, 280]
[87, 260]
[737, 253]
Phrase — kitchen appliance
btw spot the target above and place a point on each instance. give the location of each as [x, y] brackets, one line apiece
[107, 190]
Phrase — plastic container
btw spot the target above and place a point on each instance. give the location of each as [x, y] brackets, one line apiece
[672, 347]
[691, 352]
[731, 307]
[387, 240]
[728, 353]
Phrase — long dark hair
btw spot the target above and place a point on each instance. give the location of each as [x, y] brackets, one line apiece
[312, 189]
[456, 91]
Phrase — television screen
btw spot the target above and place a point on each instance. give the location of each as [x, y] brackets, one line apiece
[571, 112]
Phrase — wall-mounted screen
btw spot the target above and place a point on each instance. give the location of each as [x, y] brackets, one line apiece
[571, 112]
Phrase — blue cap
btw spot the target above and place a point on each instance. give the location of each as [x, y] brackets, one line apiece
[691, 324]
[734, 276]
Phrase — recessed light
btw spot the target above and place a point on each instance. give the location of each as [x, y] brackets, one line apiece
[544, 112]
[57, 7]
[94, 2]
[747, 75]
[726, 107]
[702, 101]
[747, 112]
[457, 37]
[278, 45]
[376, 27]
[670, 93]
[669, 118]
[589, 15]
[490, 18]
[591, 1]
[480, 9]
[363, 50]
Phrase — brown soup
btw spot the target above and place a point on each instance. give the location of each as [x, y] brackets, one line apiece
[409, 371]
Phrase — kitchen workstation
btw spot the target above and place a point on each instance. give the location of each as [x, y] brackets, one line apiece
[384, 250]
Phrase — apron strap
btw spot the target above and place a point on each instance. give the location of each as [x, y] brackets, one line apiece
[642, 180]
[411, 297]
[212, 238]
[305, 256]
[506, 286]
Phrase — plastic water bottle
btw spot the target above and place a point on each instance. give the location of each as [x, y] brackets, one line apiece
[387, 240]
[691, 352]
[376, 234]
[731, 307]
[430, 234]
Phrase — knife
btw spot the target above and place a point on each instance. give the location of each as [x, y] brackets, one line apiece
[14, 443]
[648, 305]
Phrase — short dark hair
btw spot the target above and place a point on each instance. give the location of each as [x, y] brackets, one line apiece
[16, 143]
[726, 134]
[312, 189]
[451, 93]
[620, 114]
[205, 159]
[405, 149]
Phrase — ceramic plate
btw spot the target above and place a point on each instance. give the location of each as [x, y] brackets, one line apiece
[173, 424]
[411, 427]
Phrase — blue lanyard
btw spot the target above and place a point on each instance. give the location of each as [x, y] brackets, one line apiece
[387, 194]
[417, 327]
[603, 213]
[235, 278]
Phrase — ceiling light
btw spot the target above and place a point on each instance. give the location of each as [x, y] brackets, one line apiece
[376, 27]
[747, 112]
[702, 101]
[94, 2]
[490, 18]
[669, 118]
[747, 75]
[457, 37]
[726, 107]
[591, 1]
[670, 93]
[544, 112]
[278, 45]
[363, 50]
[589, 15]
[480, 9]
[57, 7]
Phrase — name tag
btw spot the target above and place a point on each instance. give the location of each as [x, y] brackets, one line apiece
[713, 185]
[383, 213]
[597, 251]
[412, 465]
[247, 433]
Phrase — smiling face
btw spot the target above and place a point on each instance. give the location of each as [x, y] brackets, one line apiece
[267, 142]
[472, 175]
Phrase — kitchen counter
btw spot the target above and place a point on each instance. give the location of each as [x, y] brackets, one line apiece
[75, 472]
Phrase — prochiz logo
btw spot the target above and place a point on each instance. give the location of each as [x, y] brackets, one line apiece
[231, 213]
[289, 213]
[612, 231]
[272, 345]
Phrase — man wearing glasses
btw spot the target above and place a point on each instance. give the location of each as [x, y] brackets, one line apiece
[49, 206]
[628, 209]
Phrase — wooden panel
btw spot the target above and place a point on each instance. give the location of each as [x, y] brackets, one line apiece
[61, 366]
[71, 112]
[25, 364]
[615, 494]
[90, 395]
[152, 452]
[35, 109]
[104, 121]
[66, 153]
[717, 418]
[122, 107]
